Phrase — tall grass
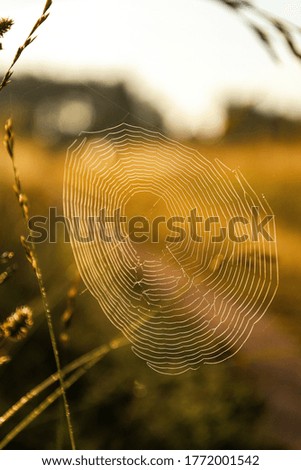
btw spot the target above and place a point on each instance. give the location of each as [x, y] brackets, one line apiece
[30, 250]
[79, 366]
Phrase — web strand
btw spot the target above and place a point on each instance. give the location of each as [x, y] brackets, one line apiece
[180, 303]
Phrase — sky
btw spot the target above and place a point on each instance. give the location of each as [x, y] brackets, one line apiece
[187, 57]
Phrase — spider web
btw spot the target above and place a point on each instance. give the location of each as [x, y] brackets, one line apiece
[179, 302]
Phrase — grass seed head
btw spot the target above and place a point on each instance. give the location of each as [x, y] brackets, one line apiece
[17, 325]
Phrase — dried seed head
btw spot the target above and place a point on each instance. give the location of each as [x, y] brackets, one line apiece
[9, 137]
[64, 338]
[68, 313]
[66, 317]
[4, 360]
[17, 325]
[6, 256]
[72, 292]
[5, 25]
[30, 255]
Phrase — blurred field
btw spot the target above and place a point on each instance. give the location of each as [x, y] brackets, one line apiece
[250, 401]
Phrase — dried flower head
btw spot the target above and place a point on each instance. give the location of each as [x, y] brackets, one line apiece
[5, 25]
[17, 325]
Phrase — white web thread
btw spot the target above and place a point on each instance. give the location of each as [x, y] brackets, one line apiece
[184, 303]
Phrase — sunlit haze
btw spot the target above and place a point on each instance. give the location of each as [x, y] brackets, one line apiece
[187, 57]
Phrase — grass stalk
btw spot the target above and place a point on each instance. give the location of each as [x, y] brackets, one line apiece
[80, 365]
[30, 38]
[32, 257]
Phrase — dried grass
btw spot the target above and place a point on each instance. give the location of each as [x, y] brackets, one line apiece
[285, 29]
[30, 251]
[7, 23]
[32, 257]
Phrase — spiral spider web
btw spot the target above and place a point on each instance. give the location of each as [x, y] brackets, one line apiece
[180, 302]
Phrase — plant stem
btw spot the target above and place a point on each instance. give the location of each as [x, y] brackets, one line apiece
[82, 364]
[34, 261]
